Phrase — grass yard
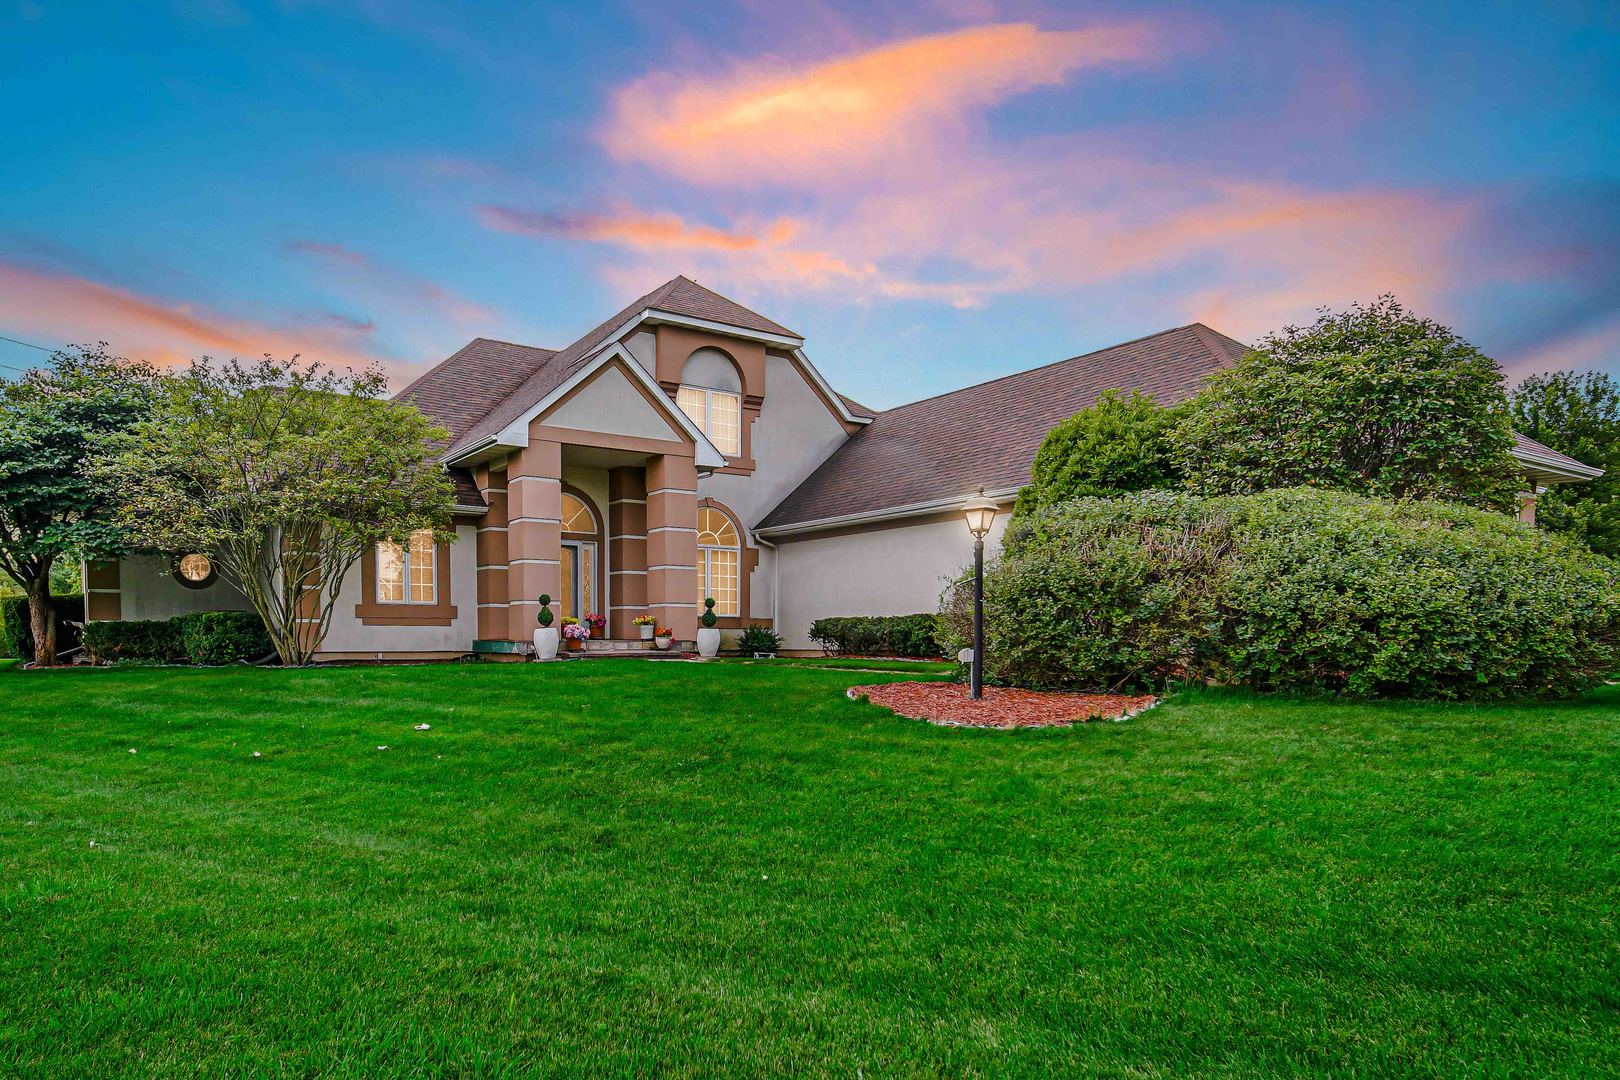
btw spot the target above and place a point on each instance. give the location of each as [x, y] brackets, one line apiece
[621, 867]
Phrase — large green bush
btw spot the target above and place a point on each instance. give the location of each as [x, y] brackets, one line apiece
[1120, 444]
[224, 637]
[17, 631]
[877, 635]
[135, 639]
[1299, 590]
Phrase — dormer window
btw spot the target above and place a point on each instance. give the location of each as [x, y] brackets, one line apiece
[717, 413]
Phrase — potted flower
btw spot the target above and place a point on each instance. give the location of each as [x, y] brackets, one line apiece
[663, 637]
[598, 624]
[708, 633]
[645, 625]
[573, 633]
[545, 638]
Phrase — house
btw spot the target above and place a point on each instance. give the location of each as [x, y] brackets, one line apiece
[687, 447]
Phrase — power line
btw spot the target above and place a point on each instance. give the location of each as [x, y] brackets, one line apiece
[26, 344]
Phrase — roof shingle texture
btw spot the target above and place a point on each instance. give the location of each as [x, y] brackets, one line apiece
[985, 436]
[1525, 442]
[678, 296]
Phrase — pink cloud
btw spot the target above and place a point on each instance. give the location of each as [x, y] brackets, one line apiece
[77, 310]
[359, 272]
[815, 123]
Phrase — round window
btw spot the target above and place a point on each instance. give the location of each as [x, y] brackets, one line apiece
[194, 571]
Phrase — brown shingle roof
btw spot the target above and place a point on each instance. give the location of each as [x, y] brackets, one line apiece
[678, 296]
[463, 389]
[986, 435]
[1526, 443]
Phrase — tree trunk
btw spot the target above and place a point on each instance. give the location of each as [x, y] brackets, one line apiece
[42, 617]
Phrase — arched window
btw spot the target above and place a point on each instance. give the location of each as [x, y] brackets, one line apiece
[719, 556]
[576, 516]
[710, 394]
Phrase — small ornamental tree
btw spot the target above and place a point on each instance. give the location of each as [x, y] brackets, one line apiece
[1578, 415]
[1118, 445]
[284, 474]
[1374, 400]
[53, 506]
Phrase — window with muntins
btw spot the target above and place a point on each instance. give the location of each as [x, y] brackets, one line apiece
[719, 557]
[408, 574]
[718, 413]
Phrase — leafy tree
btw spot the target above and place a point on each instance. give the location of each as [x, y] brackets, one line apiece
[284, 474]
[1119, 444]
[1373, 400]
[53, 508]
[1578, 415]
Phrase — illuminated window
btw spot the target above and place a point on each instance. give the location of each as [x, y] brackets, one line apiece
[717, 413]
[408, 575]
[719, 558]
[195, 571]
[576, 516]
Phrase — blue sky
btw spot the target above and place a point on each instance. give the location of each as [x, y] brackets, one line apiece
[933, 195]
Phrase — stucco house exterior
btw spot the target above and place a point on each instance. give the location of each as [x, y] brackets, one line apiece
[687, 447]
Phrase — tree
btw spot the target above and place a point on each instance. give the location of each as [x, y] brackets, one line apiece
[1374, 400]
[1119, 444]
[1578, 415]
[52, 505]
[284, 474]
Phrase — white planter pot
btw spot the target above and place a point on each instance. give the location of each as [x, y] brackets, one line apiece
[663, 642]
[646, 632]
[708, 641]
[545, 643]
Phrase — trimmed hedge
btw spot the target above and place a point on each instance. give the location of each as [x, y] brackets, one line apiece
[17, 630]
[203, 637]
[1294, 590]
[877, 635]
[224, 637]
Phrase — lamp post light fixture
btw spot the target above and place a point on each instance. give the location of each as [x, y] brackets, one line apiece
[980, 512]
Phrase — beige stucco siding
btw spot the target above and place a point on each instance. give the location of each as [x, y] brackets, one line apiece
[349, 635]
[890, 571]
[148, 590]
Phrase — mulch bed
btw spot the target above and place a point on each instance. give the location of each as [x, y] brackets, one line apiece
[948, 705]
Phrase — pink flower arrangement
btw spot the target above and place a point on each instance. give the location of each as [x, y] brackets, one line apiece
[596, 621]
[576, 632]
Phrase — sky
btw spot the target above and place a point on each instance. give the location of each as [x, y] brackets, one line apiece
[932, 194]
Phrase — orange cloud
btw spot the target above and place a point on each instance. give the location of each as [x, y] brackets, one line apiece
[628, 228]
[769, 121]
[76, 310]
[363, 274]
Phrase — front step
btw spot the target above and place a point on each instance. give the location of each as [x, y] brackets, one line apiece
[608, 649]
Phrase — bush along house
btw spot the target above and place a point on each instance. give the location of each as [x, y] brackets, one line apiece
[684, 449]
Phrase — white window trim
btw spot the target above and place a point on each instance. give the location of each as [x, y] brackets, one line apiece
[707, 426]
[405, 575]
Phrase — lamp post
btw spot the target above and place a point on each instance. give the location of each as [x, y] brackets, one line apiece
[980, 512]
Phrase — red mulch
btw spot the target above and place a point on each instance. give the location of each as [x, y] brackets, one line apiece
[948, 704]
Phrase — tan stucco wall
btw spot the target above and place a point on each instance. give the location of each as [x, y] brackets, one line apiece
[148, 591]
[613, 405]
[794, 434]
[890, 571]
[349, 635]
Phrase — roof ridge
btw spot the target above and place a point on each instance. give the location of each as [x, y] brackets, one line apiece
[519, 344]
[1039, 367]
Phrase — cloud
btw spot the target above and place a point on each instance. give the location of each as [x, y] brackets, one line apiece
[77, 310]
[768, 121]
[360, 273]
[627, 228]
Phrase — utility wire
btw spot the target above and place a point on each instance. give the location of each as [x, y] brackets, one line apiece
[26, 345]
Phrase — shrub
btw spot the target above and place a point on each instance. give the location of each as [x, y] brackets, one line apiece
[224, 637]
[758, 639]
[135, 639]
[877, 635]
[1294, 590]
[17, 631]
[1120, 444]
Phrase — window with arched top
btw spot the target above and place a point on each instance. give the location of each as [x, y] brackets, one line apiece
[710, 394]
[576, 516]
[718, 561]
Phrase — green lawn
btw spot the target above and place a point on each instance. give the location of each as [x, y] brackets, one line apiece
[620, 867]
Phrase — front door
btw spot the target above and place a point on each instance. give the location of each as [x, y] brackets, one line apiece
[578, 578]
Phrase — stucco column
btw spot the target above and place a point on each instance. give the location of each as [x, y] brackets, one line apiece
[672, 543]
[492, 571]
[533, 534]
[1527, 506]
[627, 548]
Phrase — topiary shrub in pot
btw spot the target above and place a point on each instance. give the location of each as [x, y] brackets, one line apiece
[545, 638]
[708, 638]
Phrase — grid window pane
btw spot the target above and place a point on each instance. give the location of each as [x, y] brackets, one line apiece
[722, 580]
[424, 568]
[694, 403]
[725, 422]
[390, 573]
